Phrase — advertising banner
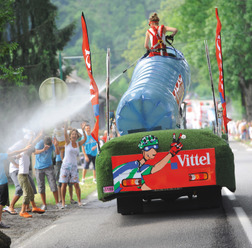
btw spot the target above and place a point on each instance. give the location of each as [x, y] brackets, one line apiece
[189, 168]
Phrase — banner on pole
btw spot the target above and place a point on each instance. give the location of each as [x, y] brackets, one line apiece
[220, 66]
[93, 87]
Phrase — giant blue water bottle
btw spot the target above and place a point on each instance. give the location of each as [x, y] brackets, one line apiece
[157, 89]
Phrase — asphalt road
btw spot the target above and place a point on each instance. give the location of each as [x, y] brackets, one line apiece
[180, 225]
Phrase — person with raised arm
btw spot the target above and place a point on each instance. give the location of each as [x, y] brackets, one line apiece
[69, 169]
[4, 192]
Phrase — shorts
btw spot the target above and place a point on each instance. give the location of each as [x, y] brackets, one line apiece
[4, 194]
[69, 173]
[62, 145]
[28, 194]
[91, 159]
[18, 189]
[40, 176]
[57, 168]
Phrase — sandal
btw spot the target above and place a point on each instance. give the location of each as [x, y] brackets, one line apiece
[80, 204]
[38, 210]
[25, 215]
[11, 212]
[73, 202]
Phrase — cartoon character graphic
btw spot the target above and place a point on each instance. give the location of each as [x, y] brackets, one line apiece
[133, 172]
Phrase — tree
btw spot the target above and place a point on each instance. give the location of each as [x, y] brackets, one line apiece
[197, 23]
[236, 18]
[34, 29]
[7, 72]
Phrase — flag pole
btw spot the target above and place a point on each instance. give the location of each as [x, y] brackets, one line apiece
[224, 92]
[219, 57]
[211, 79]
[221, 61]
[107, 90]
[94, 92]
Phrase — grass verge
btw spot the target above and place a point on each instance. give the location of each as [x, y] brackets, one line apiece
[86, 189]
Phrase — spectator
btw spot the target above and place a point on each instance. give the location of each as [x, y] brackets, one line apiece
[250, 131]
[243, 129]
[69, 169]
[89, 150]
[4, 193]
[44, 168]
[28, 196]
[105, 136]
[57, 174]
[58, 133]
[13, 172]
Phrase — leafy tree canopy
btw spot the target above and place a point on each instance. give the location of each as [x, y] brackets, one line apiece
[34, 30]
[7, 72]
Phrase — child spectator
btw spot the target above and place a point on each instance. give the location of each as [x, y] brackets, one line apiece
[4, 193]
[28, 194]
[13, 171]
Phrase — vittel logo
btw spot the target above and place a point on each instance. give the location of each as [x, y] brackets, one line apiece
[194, 159]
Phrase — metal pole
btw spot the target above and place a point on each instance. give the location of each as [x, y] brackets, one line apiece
[60, 66]
[53, 90]
[211, 79]
[107, 90]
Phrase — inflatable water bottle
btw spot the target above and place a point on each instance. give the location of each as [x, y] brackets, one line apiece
[157, 89]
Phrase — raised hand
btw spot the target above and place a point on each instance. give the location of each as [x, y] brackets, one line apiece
[176, 145]
[55, 141]
[83, 124]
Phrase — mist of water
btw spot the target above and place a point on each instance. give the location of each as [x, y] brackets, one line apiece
[47, 115]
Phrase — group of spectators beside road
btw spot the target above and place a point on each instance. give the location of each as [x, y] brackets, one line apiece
[65, 172]
[240, 129]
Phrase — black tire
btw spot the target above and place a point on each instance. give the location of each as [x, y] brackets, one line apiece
[129, 205]
[210, 197]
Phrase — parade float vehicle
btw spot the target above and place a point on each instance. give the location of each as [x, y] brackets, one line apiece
[154, 158]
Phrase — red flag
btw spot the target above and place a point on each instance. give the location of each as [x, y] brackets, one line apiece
[93, 87]
[221, 77]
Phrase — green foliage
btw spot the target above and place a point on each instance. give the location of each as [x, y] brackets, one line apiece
[34, 29]
[11, 74]
[108, 24]
[196, 22]
[7, 72]
[6, 14]
[86, 189]
[108, 27]
[121, 26]
[98, 63]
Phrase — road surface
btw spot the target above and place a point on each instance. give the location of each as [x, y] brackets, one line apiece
[180, 225]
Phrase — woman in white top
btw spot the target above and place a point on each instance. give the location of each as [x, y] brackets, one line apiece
[69, 169]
